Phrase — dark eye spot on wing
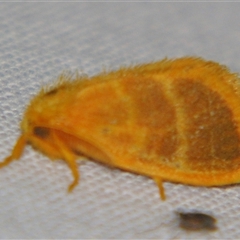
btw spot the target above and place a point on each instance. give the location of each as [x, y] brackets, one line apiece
[41, 132]
[197, 221]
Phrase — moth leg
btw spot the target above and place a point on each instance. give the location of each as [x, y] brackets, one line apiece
[159, 182]
[73, 166]
[16, 152]
[71, 160]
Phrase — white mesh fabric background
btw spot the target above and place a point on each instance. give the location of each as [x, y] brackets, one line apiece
[40, 40]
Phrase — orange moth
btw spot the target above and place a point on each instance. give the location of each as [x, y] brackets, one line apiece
[173, 120]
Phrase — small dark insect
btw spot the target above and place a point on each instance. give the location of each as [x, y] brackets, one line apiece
[197, 221]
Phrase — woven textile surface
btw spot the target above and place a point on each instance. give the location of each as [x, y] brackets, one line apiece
[40, 40]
